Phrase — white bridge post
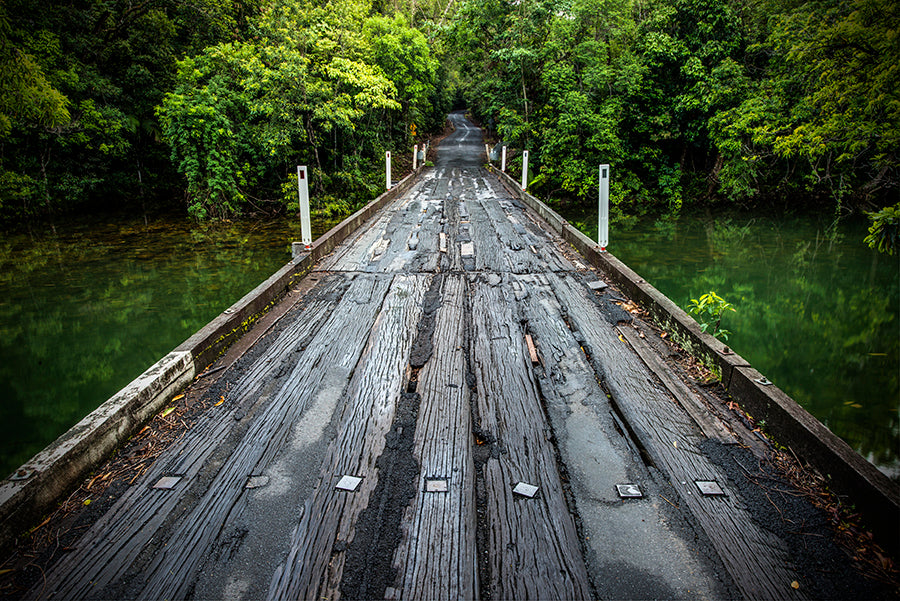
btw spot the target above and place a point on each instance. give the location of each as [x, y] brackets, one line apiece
[524, 169]
[503, 161]
[303, 189]
[415, 156]
[387, 168]
[603, 221]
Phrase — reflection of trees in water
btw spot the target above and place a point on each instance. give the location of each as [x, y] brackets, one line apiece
[817, 311]
[86, 311]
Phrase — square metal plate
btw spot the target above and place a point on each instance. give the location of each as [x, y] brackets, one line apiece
[437, 485]
[167, 482]
[526, 490]
[629, 491]
[598, 285]
[709, 487]
[348, 483]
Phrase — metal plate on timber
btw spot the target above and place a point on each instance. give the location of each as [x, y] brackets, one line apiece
[598, 285]
[437, 485]
[348, 483]
[167, 482]
[709, 488]
[629, 491]
[525, 490]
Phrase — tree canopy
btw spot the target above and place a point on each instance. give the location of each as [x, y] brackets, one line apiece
[786, 102]
[693, 100]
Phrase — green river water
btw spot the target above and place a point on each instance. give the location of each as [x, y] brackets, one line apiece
[818, 312]
[87, 308]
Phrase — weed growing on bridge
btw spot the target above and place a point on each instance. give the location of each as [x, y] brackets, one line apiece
[708, 310]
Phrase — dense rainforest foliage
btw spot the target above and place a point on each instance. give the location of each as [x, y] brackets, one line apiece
[693, 99]
[215, 101]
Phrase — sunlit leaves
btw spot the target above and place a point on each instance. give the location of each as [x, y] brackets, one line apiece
[319, 84]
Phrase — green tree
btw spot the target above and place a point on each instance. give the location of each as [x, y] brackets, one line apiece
[825, 119]
[322, 84]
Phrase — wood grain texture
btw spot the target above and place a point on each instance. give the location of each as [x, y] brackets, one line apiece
[711, 427]
[533, 546]
[436, 558]
[314, 565]
[757, 560]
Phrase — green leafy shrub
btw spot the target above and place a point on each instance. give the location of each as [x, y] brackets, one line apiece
[708, 311]
[885, 229]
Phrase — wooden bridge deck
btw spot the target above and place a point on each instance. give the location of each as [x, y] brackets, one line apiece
[407, 362]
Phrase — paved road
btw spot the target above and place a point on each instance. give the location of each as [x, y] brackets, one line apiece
[407, 363]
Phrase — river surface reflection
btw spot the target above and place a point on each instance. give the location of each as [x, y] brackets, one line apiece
[88, 307]
[817, 310]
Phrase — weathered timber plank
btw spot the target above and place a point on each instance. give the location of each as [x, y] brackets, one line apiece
[367, 244]
[314, 565]
[533, 546]
[598, 456]
[403, 239]
[450, 259]
[436, 558]
[491, 253]
[428, 258]
[400, 238]
[756, 559]
[171, 573]
[107, 550]
[525, 252]
[537, 235]
[710, 426]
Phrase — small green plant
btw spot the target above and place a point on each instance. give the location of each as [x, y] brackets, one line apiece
[884, 233]
[708, 311]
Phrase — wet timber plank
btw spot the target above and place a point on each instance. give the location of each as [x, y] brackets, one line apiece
[172, 571]
[757, 560]
[598, 454]
[358, 250]
[319, 544]
[536, 236]
[401, 238]
[110, 547]
[406, 239]
[489, 252]
[533, 546]
[436, 557]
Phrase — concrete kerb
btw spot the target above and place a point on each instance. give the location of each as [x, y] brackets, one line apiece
[847, 472]
[56, 469]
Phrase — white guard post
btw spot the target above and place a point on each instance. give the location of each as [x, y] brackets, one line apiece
[415, 156]
[303, 188]
[387, 167]
[503, 161]
[603, 222]
[524, 169]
